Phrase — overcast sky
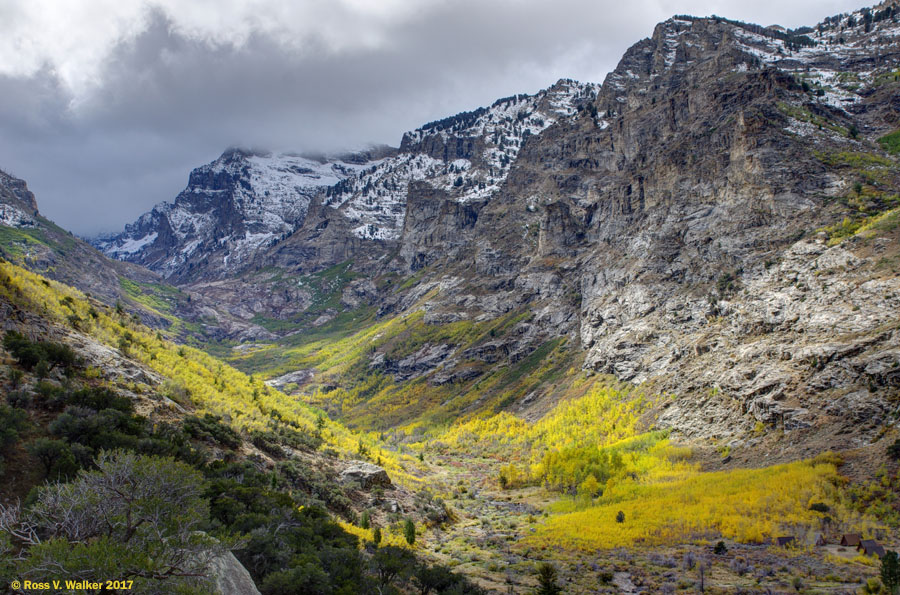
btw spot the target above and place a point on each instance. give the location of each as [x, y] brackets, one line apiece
[106, 105]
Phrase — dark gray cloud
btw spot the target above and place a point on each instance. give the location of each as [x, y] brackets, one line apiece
[166, 98]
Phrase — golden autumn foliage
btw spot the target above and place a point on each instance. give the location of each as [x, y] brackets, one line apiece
[590, 448]
[367, 535]
[592, 435]
[209, 385]
[593, 445]
[347, 385]
[746, 505]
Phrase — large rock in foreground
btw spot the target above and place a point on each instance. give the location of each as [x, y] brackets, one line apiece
[366, 475]
[230, 577]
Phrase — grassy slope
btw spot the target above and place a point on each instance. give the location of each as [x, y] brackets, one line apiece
[211, 385]
[51, 251]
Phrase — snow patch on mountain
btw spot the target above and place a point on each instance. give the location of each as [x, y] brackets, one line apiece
[130, 246]
[375, 199]
[829, 67]
[13, 217]
[239, 204]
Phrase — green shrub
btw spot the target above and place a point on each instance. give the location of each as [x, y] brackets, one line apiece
[99, 399]
[893, 451]
[547, 579]
[30, 354]
[123, 533]
[20, 399]
[56, 457]
[390, 563]
[210, 428]
[891, 142]
[409, 531]
[12, 422]
[15, 377]
[890, 571]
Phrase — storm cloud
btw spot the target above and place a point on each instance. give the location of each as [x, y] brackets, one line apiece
[106, 105]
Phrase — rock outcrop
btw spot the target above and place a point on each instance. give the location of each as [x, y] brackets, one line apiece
[366, 476]
[230, 577]
[18, 207]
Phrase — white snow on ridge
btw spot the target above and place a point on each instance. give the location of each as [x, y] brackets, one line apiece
[13, 217]
[375, 199]
[130, 246]
[269, 195]
[837, 68]
[469, 156]
[829, 65]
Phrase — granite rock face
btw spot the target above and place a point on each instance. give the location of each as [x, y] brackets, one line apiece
[17, 203]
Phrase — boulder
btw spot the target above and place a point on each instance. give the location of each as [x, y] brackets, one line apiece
[366, 475]
[230, 576]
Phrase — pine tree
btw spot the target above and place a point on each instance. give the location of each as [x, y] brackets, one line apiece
[547, 576]
[890, 571]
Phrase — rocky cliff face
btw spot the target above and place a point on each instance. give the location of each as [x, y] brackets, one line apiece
[673, 229]
[17, 205]
[231, 209]
[702, 285]
[683, 210]
[467, 156]
[716, 221]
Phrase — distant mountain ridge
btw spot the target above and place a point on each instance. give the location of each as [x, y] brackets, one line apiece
[29, 239]
[240, 203]
[244, 202]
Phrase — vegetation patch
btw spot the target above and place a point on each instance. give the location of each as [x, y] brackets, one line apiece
[15, 242]
[157, 297]
[804, 115]
[891, 142]
[683, 505]
[867, 225]
[196, 378]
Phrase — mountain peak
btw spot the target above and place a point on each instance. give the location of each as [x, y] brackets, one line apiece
[232, 207]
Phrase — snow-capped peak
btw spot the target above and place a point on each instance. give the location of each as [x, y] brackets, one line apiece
[468, 156]
[236, 205]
